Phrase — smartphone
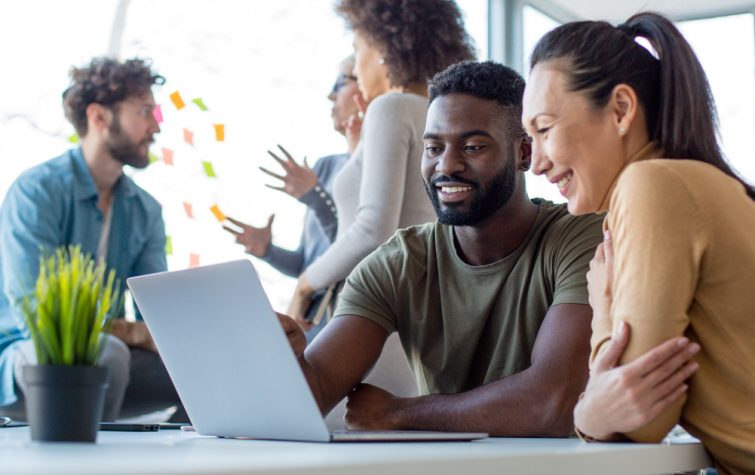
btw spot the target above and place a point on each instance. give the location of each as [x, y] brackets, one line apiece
[128, 427]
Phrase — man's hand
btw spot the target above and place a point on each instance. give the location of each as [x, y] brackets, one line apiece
[294, 333]
[600, 279]
[371, 408]
[298, 179]
[133, 334]
[300, 302]
[255, 240]
[621, 399]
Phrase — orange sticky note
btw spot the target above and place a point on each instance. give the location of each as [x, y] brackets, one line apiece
[167, 156]
[177, 100]
[219, 132]
[187, 208]
[193, 260]
[218, 214]
[189, 136]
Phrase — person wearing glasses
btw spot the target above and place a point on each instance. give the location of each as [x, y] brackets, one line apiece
[311, 186]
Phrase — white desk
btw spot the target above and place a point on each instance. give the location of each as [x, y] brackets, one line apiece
[175, 452]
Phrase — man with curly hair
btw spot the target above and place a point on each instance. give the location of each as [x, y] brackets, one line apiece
[83, 198]
[490, 302]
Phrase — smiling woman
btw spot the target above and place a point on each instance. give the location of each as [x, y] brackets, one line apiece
[623, 120]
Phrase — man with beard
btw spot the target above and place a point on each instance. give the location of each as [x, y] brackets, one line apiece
[83, 198]
[490, 302]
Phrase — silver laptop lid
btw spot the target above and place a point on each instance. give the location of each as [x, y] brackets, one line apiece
[227, 353]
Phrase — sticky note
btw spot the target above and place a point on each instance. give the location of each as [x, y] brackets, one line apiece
[168, 245]
[167, 156]
[218, 214]
[73, 138]
[187, 208]
[193, 260]
[219, 132]
[188, 136]
[152, 157]
[209, 171]
[158, 113]
[177, 101]
[200, 103]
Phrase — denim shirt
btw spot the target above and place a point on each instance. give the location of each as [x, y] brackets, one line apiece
[55, 204]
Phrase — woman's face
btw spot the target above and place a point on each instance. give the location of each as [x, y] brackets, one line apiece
[576, 146]
[372, 75]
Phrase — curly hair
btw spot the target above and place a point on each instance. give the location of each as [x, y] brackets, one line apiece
[487, 80]
[417, 38]
[107, 82]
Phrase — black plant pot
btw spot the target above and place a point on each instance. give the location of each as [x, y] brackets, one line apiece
[64, 403]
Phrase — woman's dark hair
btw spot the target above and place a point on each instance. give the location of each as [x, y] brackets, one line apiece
[672, 87]
[107, 82]
[418, 38]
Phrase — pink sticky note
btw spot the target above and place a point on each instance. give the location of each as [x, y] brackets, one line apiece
[189, 136]
[158, 113]
[187, 208]
[193, 260]
[167, 156]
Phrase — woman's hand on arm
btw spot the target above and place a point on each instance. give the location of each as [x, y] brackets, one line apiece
[298, 180]
[621, 399]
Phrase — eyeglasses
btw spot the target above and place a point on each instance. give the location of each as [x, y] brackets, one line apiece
[341, 81]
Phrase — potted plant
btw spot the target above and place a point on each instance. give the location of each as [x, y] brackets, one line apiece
[66, 314]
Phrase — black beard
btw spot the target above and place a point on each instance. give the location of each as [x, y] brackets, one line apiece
[486, 200]
[123, 149]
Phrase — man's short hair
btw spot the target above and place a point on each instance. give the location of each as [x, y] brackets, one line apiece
[107, 82]
[486, 80]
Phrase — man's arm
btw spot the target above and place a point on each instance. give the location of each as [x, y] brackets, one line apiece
[339, 358]
[536, 402]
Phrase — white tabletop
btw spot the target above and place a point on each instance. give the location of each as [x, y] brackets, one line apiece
[175, 452]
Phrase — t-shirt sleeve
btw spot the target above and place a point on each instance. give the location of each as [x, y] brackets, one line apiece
[371, 290]
[577, 243]
[659, 240]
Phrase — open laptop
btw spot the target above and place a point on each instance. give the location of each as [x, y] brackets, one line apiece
[231, 362]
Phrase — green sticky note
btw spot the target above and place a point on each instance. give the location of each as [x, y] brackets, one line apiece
[168, 245]
[73, 138]
[208, 169]
[200, 103]
[152, 157]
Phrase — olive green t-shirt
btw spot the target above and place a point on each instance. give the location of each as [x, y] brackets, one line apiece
[463, 326]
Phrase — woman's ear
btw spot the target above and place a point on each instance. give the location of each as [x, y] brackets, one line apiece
[624, 104]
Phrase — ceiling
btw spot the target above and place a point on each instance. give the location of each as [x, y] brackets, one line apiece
[619, 10]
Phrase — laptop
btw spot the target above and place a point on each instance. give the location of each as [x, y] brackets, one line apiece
[231, 362]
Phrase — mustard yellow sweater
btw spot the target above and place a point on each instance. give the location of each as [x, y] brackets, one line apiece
[684, 250]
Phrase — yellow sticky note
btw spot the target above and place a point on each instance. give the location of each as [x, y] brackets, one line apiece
[152, 157]
[209, 171]
[73, 138]
[219, 132]
[218, 214]
[168, 245]
[177, 100]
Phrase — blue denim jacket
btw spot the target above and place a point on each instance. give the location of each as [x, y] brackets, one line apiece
[55, 204]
